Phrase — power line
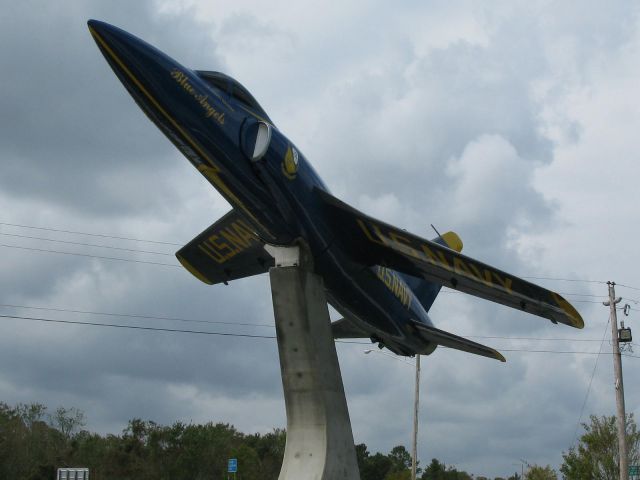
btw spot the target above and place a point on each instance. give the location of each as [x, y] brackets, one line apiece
[90, 256]
[494, 337]
[136, 315]
[449, 290]
[583, 295]
[147, 262]
[215, 322]
[85, 244]
[554, 351]
[595, 366]
[627, 286]
[585, 301]
[561, 293]
[204, 332]
[136, 327]
[565, 279]
[75, 232]
[90, 234]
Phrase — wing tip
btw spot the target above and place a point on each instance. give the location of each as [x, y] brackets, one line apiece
[499, 356]
[571, 314]
[192, 270]
[578, 322]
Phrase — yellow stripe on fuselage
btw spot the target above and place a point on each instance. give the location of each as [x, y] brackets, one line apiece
[214, 170]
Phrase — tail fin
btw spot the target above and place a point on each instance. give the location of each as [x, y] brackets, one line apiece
[425, 291]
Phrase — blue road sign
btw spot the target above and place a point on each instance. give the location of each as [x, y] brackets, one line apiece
[232, 466]
[634, 470]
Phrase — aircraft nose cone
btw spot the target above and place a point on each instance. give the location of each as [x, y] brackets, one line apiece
[171, 94]
[108, 36]
[99, 27]
[127, 54]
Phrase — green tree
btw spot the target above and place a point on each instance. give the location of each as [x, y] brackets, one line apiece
[439, 471]
[33, 444]
[362, 455]
[399, 475]
[435, 471]
[67, 420]
[537, 472]
[376, 467]
[30, 448]
[249, 464]
[400, 459]
[270, 449]
[453, 474]
[596, 456]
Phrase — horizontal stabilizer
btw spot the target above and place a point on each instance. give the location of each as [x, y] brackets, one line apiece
[227, 250]
[345, 328]
[446, 339]
[373, 242]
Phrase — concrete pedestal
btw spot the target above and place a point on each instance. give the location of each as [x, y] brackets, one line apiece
[319, 438]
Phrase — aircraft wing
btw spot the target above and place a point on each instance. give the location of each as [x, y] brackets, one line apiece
[373, 242]
[227, 250]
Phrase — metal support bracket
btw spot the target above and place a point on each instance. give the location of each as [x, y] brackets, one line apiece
[284, 256]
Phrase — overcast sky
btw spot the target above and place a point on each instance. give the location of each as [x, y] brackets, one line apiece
[513, 123]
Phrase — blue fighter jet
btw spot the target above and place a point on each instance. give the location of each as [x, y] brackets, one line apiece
[382, 279]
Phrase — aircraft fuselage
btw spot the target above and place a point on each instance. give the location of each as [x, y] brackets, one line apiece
[276, 194]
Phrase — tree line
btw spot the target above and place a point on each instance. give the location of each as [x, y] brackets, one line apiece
[34, 443]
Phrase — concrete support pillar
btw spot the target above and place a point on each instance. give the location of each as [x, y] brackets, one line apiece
[319, 438]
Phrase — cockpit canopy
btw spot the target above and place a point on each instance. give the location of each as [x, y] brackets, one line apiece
[233, 88]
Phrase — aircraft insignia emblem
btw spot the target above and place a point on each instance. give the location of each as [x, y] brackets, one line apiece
[290, 163]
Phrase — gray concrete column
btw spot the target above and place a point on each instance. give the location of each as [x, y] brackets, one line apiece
[319, 438]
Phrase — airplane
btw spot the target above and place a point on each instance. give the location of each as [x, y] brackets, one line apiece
[381, 278]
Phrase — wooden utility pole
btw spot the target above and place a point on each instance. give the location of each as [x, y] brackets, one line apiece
[617, 370]
[416, 402]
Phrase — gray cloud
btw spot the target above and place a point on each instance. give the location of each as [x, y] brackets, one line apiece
[67, 116]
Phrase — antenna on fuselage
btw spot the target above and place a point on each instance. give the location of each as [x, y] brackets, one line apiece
[435, 230]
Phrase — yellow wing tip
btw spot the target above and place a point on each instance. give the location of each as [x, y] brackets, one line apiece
[190, 268]
[578, 322]
[570, 312]
[499, 356]
[453, 241]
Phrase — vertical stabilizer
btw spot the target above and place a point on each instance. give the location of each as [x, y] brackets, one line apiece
[425, 291]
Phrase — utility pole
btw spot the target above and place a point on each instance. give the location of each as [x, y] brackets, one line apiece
[416, 400]
[617, 370]
[416, 403]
